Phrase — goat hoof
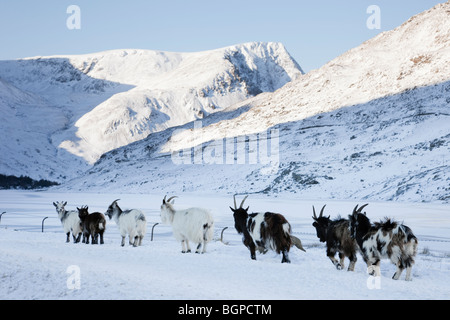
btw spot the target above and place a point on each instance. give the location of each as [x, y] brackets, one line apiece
[189, 251]
[339, 267]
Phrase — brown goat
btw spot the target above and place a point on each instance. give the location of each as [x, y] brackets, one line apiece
[336, 234]
[93, 225]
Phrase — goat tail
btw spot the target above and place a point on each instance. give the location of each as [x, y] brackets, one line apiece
[297, 242]
[101, 226]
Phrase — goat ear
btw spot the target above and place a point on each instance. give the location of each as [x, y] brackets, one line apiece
[65, 202]
[78, 209]
[54, 204]
[247, 208]
[234, 210]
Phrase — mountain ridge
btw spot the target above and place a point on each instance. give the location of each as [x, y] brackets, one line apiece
[370, 124]
[101, 101]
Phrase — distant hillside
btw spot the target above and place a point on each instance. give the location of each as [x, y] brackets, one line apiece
[370, 124]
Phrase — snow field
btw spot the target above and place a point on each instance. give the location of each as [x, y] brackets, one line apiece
[37, 265]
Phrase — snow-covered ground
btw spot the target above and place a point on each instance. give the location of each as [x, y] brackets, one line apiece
[36, 265]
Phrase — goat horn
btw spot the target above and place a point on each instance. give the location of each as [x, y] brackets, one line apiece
[171, 198]
[355, 209]
[314, 214]
[234, 198]
[360, 209]
[164, 200]
[116, 200]
[321, 211]
[242, 203]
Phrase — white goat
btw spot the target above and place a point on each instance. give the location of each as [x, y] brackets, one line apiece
[131, 222]
[194, 224]
[69, 220]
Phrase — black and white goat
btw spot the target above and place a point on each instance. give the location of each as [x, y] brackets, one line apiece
[264, 231]
[336, 234]
[93, 225]
[70, 221]
[131, 222]
[386, 239]
[193, 224]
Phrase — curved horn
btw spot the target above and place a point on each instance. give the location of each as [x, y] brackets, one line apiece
[360, 209]
[242, 203]
[355, 209]
[164, 200]
[116, 200]
[314, 214]
[168, 200]
[234, 198]
[321, 211]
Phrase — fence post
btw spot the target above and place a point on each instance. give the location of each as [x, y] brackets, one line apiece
[152, 230]
[221, 235]
[43, 223]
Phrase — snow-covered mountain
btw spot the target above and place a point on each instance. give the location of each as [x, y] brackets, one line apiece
[372, 123]
[61, 113]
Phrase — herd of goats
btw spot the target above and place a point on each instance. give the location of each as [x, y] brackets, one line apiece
[260, 231]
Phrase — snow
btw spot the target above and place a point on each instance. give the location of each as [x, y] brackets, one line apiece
[370, 124]
[37, 265]
[97, 102]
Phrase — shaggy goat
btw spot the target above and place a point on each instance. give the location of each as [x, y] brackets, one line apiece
[131, 222]
[70, 221]
[336, 234]
[93, 224]
[194, 224]
[264, 231]
[386, 239]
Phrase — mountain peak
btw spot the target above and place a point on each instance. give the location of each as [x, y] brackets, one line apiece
[105, 100]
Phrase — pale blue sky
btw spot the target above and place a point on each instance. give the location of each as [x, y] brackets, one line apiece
[314, 32]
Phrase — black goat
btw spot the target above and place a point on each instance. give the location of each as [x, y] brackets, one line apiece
[336, 234]
[93, 225]
[264, 231]
[386, 239]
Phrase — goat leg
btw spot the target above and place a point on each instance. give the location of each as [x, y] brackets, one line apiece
[136, 241]
[330, 255]
[285, 256]
[68, 236]
[353, 259]
[252, 248]
[187, 246]
[342, 260]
